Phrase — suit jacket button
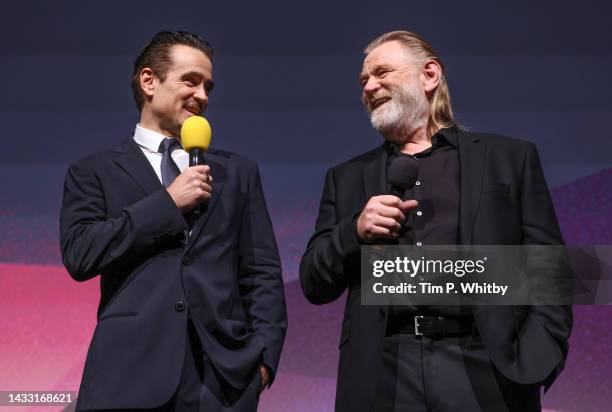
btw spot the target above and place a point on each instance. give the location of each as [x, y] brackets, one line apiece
[186, 260]
[179, 306]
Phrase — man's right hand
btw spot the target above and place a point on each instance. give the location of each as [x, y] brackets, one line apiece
[191, 187]
[382, 217]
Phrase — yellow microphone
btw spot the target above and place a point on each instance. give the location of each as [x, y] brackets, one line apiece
[195, 138]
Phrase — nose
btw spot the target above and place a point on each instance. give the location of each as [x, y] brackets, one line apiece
[201, 96]
[371, 86]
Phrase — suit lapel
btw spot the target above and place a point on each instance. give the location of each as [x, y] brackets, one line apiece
[131, 159]
[218, 171]
[472, 153]
[375, 184]
[134, 162]
[375, 173]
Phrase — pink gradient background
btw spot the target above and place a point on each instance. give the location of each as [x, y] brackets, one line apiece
[47, 319]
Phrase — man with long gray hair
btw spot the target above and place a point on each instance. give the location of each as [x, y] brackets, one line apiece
[471, 189]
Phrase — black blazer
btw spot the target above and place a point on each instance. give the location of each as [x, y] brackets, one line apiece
[504, 200]
[118, 221]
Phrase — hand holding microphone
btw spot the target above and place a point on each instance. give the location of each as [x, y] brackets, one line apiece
[191, 187]
[194, 185]
[383, 216]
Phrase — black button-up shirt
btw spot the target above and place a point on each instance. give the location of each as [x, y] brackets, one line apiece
[435, 221]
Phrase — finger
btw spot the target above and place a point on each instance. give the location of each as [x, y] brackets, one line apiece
[205, 187]
[387, 223]
[408, 204]
[390, 200]
[201, 195]
[201, 169]
[383, 232]
[392, 212]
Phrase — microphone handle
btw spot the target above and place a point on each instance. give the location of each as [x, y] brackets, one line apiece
[399, 192]
[196, 158]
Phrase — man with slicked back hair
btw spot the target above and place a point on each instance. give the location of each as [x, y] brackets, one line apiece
[192, 312]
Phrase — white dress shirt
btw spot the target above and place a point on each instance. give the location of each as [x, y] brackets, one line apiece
[149, 142]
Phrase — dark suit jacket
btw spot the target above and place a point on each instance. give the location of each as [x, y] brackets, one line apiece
[504, 200]
[118, 221]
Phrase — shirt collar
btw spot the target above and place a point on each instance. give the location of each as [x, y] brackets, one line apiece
[449, 134]
[148, 139]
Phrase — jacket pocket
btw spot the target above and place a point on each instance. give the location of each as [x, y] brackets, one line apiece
[500, 188]
[117, 315]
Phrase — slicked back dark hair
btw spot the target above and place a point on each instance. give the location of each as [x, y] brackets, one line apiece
[157, 56]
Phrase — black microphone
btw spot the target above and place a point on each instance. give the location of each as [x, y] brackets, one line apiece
[196, 158]
[402, 174]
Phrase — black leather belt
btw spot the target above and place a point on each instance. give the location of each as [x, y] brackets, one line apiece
[435, 327]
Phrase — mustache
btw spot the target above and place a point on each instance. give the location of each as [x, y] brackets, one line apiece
[380, 95]
[195, 108]
[370, 101]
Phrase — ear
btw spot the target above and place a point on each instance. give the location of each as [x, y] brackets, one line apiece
[147, 82]
[431, 75]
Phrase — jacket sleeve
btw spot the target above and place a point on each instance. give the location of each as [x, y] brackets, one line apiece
[551, 268]
[322, 271]
[91, 241]
[260, 274]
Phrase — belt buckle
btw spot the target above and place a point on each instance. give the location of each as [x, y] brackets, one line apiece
[417, 332]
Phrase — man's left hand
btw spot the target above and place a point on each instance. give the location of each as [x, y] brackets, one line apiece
[265, 377]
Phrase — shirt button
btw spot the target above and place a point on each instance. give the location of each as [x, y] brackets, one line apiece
[186, 260]
[419, 213]
[179, 306]
[419, 243]
[418, 183]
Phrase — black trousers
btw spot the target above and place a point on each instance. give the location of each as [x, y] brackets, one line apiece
[202, 389]
[421, 374]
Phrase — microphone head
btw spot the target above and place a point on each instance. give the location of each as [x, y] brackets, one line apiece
[403, 172]
[195, 133]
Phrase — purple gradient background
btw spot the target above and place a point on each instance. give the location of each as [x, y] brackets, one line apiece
[49, 318]
[287, 97]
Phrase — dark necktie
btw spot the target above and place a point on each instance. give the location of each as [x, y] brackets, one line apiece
[169, 169]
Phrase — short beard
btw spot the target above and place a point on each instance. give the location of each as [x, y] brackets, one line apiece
[406, 112]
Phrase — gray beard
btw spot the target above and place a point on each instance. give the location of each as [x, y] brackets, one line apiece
[406, 112]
